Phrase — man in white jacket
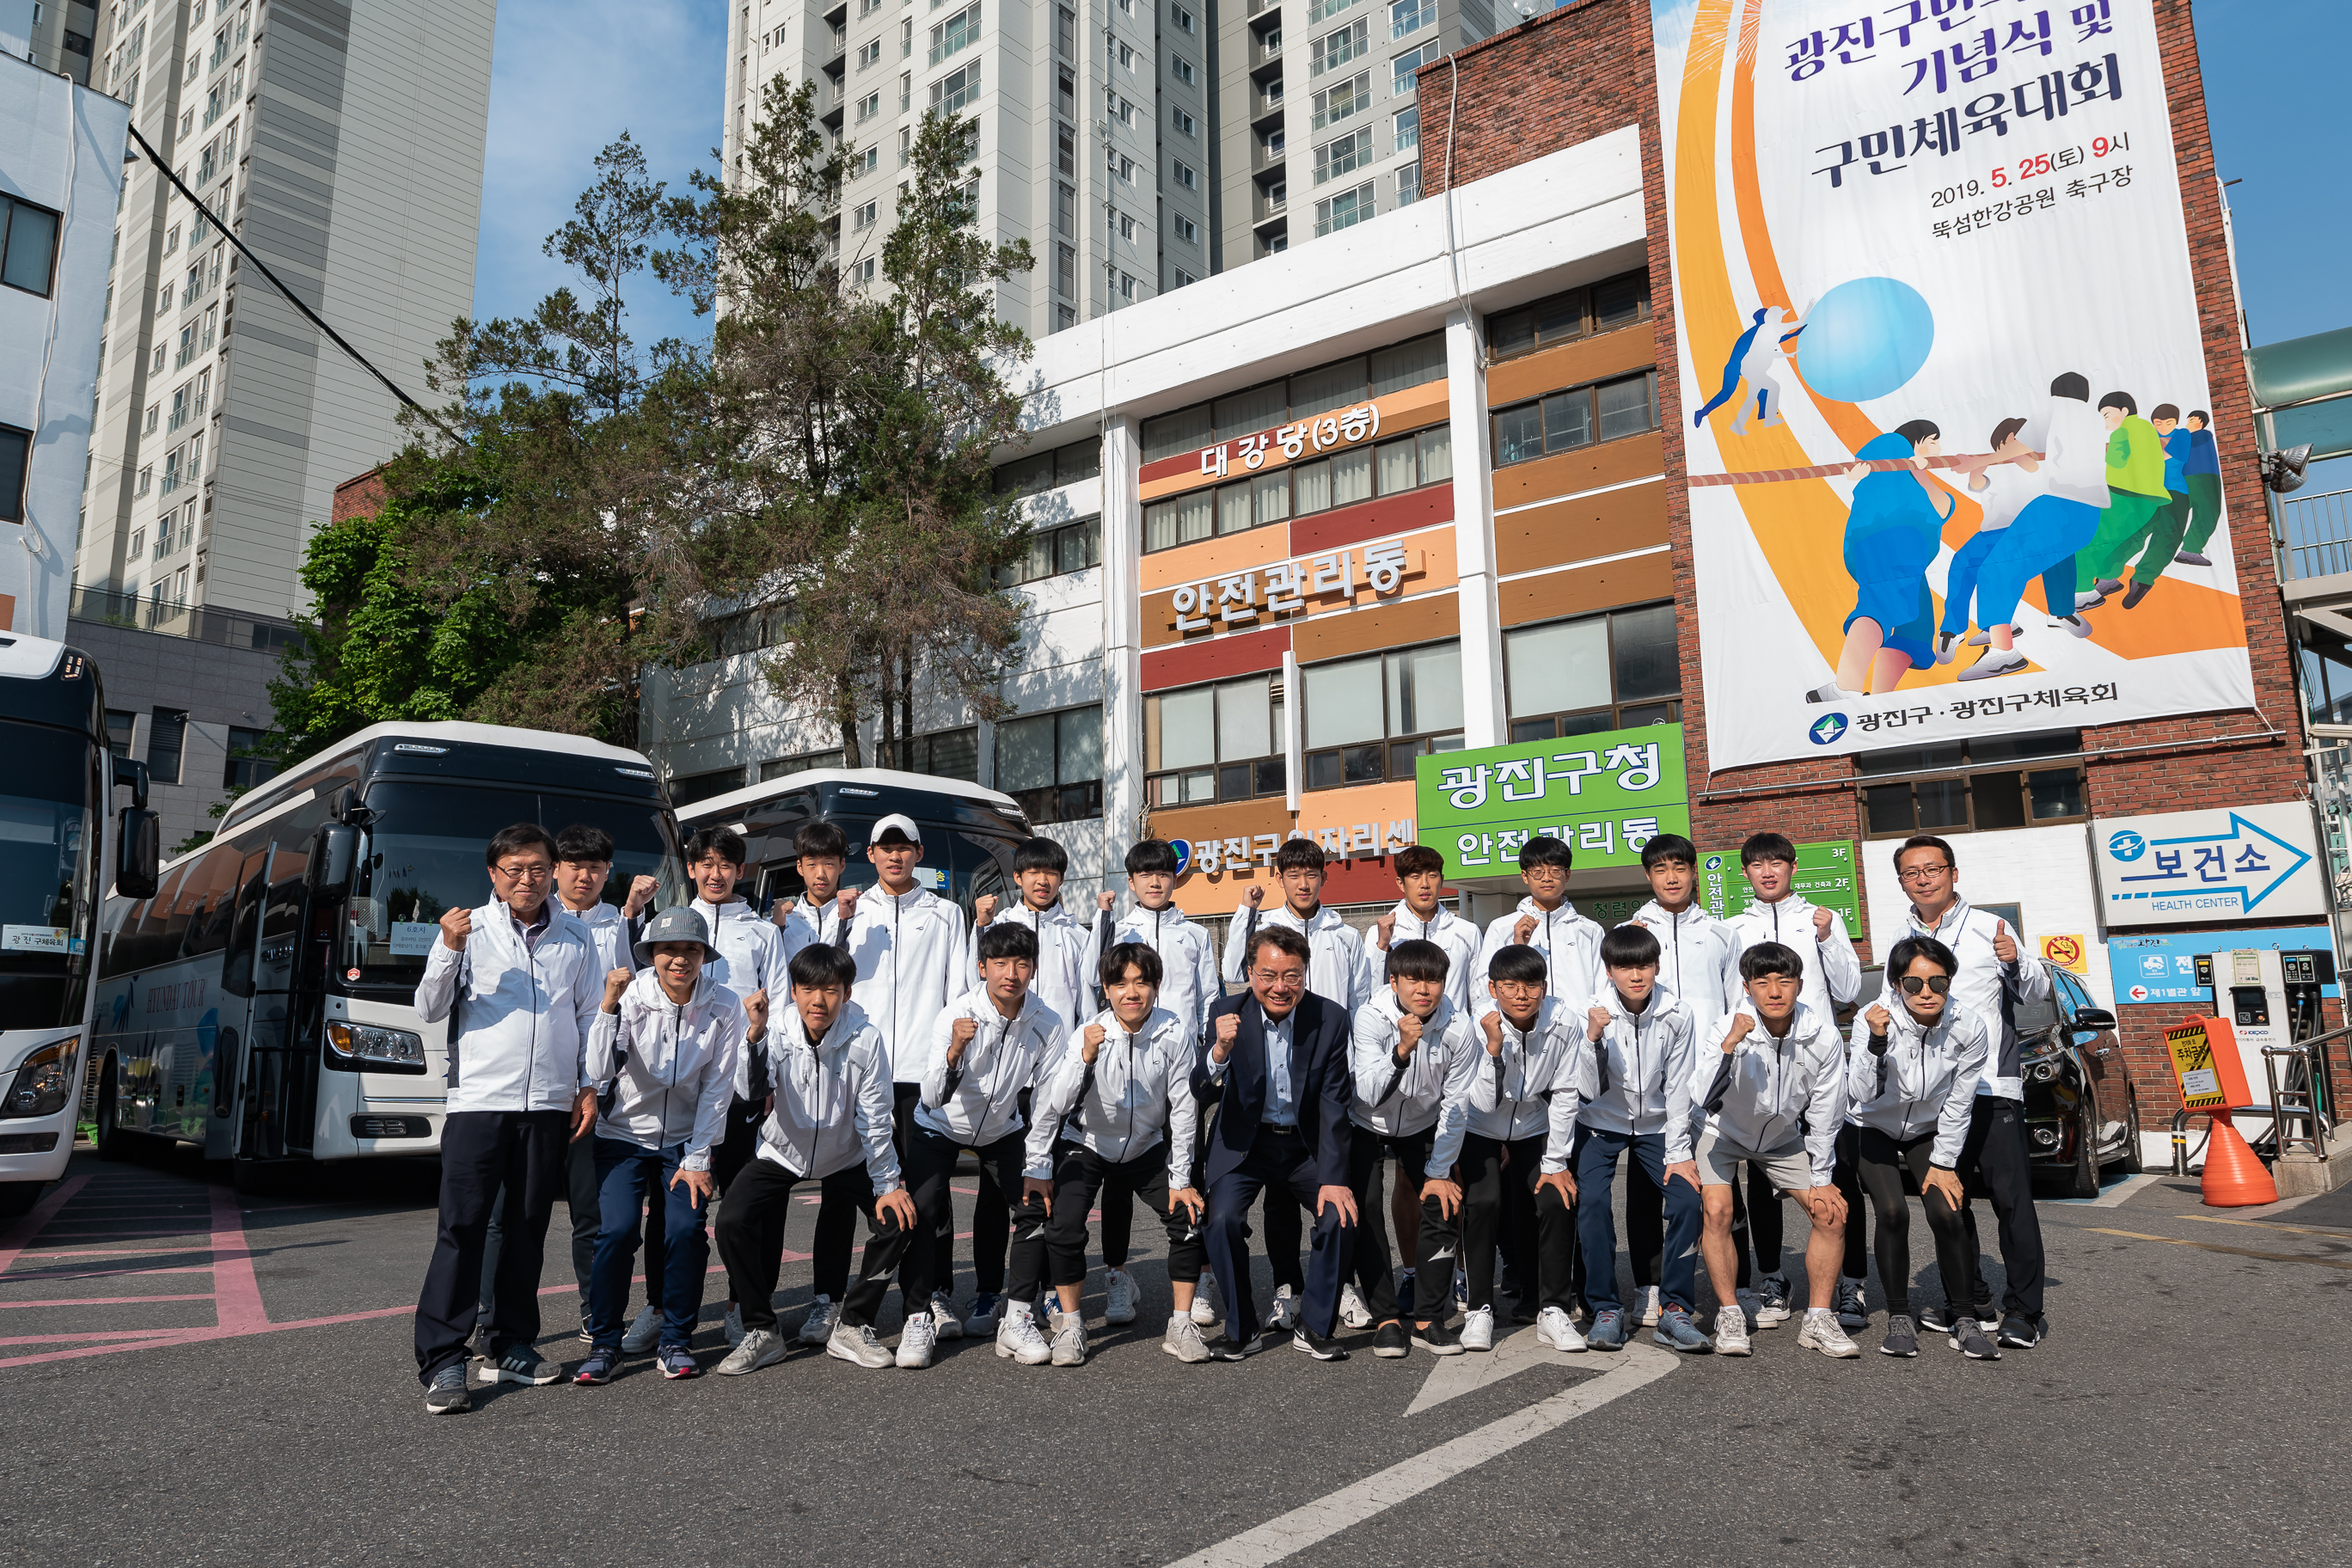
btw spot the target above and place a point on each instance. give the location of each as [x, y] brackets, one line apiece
[1068, 952]
[522, 977]
[1545, 923]
[1531, 1042]
[1775, 1102]
[662, 1054]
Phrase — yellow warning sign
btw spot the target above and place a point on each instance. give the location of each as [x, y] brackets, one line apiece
[2192, 1064]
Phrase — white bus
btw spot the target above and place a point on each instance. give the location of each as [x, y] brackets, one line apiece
[262, 1001]
[57, 861]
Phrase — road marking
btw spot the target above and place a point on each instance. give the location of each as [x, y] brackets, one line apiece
[2232, 1251]
[2269, 1225]
[1326, 1517]
[2114, 1196]
[1454, 1377]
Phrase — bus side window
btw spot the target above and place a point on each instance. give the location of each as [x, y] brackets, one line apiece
[145, 940]
[244, 923]
[281, 914]
[213, 898]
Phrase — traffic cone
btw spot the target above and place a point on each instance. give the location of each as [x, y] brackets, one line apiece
[2234, 1176]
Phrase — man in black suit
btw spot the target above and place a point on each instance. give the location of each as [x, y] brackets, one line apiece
[1277, 1060]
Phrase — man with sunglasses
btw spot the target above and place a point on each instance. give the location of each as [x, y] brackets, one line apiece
[1992, 979]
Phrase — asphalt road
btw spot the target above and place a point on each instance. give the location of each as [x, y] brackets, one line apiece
[189, 1376]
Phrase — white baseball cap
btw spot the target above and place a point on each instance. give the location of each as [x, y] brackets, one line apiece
[903, 826]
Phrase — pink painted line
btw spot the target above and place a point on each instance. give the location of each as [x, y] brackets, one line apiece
[48, 1252]
[121, 1236]
[233, 1278]
[139, 1335]
[15, 1239]
[106, 1301]
[48, 1276]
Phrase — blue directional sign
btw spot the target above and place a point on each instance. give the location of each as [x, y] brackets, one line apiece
[2208, 866]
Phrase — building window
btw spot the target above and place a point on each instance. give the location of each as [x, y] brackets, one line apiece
[246, 768]
[1051, 551]
[1301, 489]
[865, 215]
[870, 106]
[1577, 417]
[1408, 185]
[869, 54]
[1065, 271]
[15, 464]
[1613, 302]
[782, 767]
[120, 722]
[2009, 791]
[1335, 49]
[1367, 718]
[1187, 230]
[1407, 128]
[1209, 743]
[1052, 764]
[1614, 671]
[943, 754]
[1345, 210]
[1181, 17]
[864, 272]
[1182, 277]
[1182, 70]
[166, 736]
[1343, 156]
[955, 34]
[1401, 70]
[1343, 100]
[1408, 17]
[1183, 174]
[956, 89]
[702, 787]
[1184, 122]
[1126, 286]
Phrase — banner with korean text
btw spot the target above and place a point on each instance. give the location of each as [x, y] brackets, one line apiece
[1605, 794]
[1953, 466]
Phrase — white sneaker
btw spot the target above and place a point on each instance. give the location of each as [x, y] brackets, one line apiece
[644, 1330]
[734, 1326]
[1070, 1341]
[946, 1321]
[1184, 1340]
[2076, 625]
[916, 1340]
[1821, 1333]
[1017, 1336]
[1553, 1329]
[861, 1346]
[1995, 662]
[1054, 1316]
[1285, 1315]
[1731, 1331]
[1649, 1306]
[1352, 1310]
[816, 1329]
[1118, 1297]
[1478, 1329]
[1205, 1301]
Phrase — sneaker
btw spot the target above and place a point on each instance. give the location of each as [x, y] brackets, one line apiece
[1828, 691]
[1184, 1340]
[1772, 1301]
[1969, 1339]
[859, 1345]
[986, 1312]
[1054, 1316]
[1307, 1341]
[2192, 558]
[1853, 1310]
[2137, 592]
[447, 1394]
[817, 1327]
[1205, 1303]
[1750, 1305]
[1390, 1341]
[1935, 1319]
[1352, 1310]
[761, 1347]
[598, 1369]
[1983, 638]
[2018, 1332]
[734, 1326]
[1901, 1339]
[646, 1330]
[1606, 1333]
[1651, 1305]
[676, 1361]
[1478, 1329]
[947, 1323]
[1118, 1297]
[1439, 1339]
[1553, 1329]
[1286, 1311]
[1821, 1333]
[1678, 1333]
[1222, 1348]
[2076, 625]
[2087, 601]
[525, 1365]
[1731, 1331]
[1018, 1337]
[586, 1336]
[1996, 661]
[1070, 1341]
[2106, 586]
[916, 1340]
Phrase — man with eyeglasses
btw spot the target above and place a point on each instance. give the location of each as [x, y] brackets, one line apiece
[521, 980]
[1992, 981]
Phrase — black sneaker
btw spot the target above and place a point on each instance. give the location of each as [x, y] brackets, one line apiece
[447, 1394]
[523, 1364]
[1969, 1339]
[1935, 1319]
[1900, 1339]
[1223, 1349]
[1439, 1339]
[1389, 1341]
[2022, 1333]
[1309, 1342]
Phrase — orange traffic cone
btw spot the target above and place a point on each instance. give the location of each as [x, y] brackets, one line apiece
[2234, 1176]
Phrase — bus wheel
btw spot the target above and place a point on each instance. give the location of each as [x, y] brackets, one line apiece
[17, 1198]
[113, 1143]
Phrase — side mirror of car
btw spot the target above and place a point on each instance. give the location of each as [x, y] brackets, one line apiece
[2089, 1019]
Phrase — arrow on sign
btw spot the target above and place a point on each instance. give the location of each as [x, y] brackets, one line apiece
[2242, 831]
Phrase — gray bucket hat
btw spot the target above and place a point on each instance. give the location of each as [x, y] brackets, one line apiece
[677, 923]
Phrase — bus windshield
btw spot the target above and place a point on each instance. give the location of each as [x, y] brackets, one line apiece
[426, 858]
[48, 874]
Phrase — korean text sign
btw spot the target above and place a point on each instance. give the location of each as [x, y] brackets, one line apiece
[1605, 794]
[2183, 867]
[1825, 877]
[1919, 246]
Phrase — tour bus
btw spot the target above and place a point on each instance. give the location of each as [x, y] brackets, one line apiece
[56, 862]
[969, 832]
[261, 1002]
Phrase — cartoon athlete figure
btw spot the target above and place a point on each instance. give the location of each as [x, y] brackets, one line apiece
[1754, 357]
[1892, 533]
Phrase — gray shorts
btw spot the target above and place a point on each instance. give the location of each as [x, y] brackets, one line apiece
[1790, 1167]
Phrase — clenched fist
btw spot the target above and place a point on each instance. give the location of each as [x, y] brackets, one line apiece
[755, 1015]
[1090, 1044]
[1596, 1023]
[1384, 930]
[1103, 901]
[1821, 921]
[616, 982]
[984, 910]
[456, 927]
[641, 893]
[1409, 1029]
[1229, 1029]
[1492, 1024]
[1740, 1024]
[959, 1037]
[845, 906]
[1877, 1017]
[781, 912]
[1256, 896]
[1525, 929]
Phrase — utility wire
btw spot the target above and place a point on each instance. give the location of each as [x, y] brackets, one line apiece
[243, 249]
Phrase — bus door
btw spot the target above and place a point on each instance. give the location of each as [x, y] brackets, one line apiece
[225, 1134]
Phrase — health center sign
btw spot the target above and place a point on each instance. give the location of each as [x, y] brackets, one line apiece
[1953, 465]
[1604, 794]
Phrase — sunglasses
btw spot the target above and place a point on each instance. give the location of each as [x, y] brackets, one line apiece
[1912, 985]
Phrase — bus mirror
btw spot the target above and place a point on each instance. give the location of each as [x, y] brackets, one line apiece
[138, 857]
[133, 774]
[334, 859]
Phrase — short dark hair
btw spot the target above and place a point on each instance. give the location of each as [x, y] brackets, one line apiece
[1126, 955]
[1298, 855]
[2201, 417]
[2071, 383]
[2003, 431]
[1771, 958]
[820, 965]
[823, 839]
[1151, 855]
[1917, 430]
[1912, 948]
[1924, 841]
[1040, 855]
[580, 842]
[724, 842]
[1006, 938]
[2122, 400]
[1418, 860]
[1767, 846]
[1543, 849]
[2165, 411]
[1282, 938]
[1417, 959]
[521, 836]
[1668, 847]
[1516, 960]
[1628, 947]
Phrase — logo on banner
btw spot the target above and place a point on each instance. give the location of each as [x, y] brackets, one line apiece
[2126, 846]
[1183, 848]
[1828, 730]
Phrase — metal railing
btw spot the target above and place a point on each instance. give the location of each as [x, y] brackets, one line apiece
[128, 611]
[2318, 534]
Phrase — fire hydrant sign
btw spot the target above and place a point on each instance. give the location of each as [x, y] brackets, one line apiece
[1606, 795]
[2185, 868]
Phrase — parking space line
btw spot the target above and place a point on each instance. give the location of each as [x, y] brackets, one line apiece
[2232, 1251]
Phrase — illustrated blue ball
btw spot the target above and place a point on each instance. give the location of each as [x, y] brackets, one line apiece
[1865, 338]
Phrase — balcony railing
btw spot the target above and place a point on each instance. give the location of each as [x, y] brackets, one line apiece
[2318, 534]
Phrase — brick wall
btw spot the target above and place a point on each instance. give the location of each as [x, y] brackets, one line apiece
[361, 497]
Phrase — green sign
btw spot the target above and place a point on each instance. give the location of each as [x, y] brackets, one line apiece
[1605, 794]
[1825, 876]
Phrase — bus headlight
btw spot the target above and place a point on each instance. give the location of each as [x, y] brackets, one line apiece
[44, 1082]
[362, 1046]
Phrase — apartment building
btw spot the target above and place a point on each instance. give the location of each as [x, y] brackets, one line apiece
[54, 35]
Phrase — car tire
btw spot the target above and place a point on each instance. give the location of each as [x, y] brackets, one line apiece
[2130, 1164]
[2082, 1174]
[113, 1143]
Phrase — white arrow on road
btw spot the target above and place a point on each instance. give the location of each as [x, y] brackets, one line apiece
[1294, 1531]
[1456, 1375]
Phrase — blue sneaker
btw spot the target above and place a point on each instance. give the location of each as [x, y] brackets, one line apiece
[599, 1368]
[1607, 1332]
[676, 1361]
[1678, 1333]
